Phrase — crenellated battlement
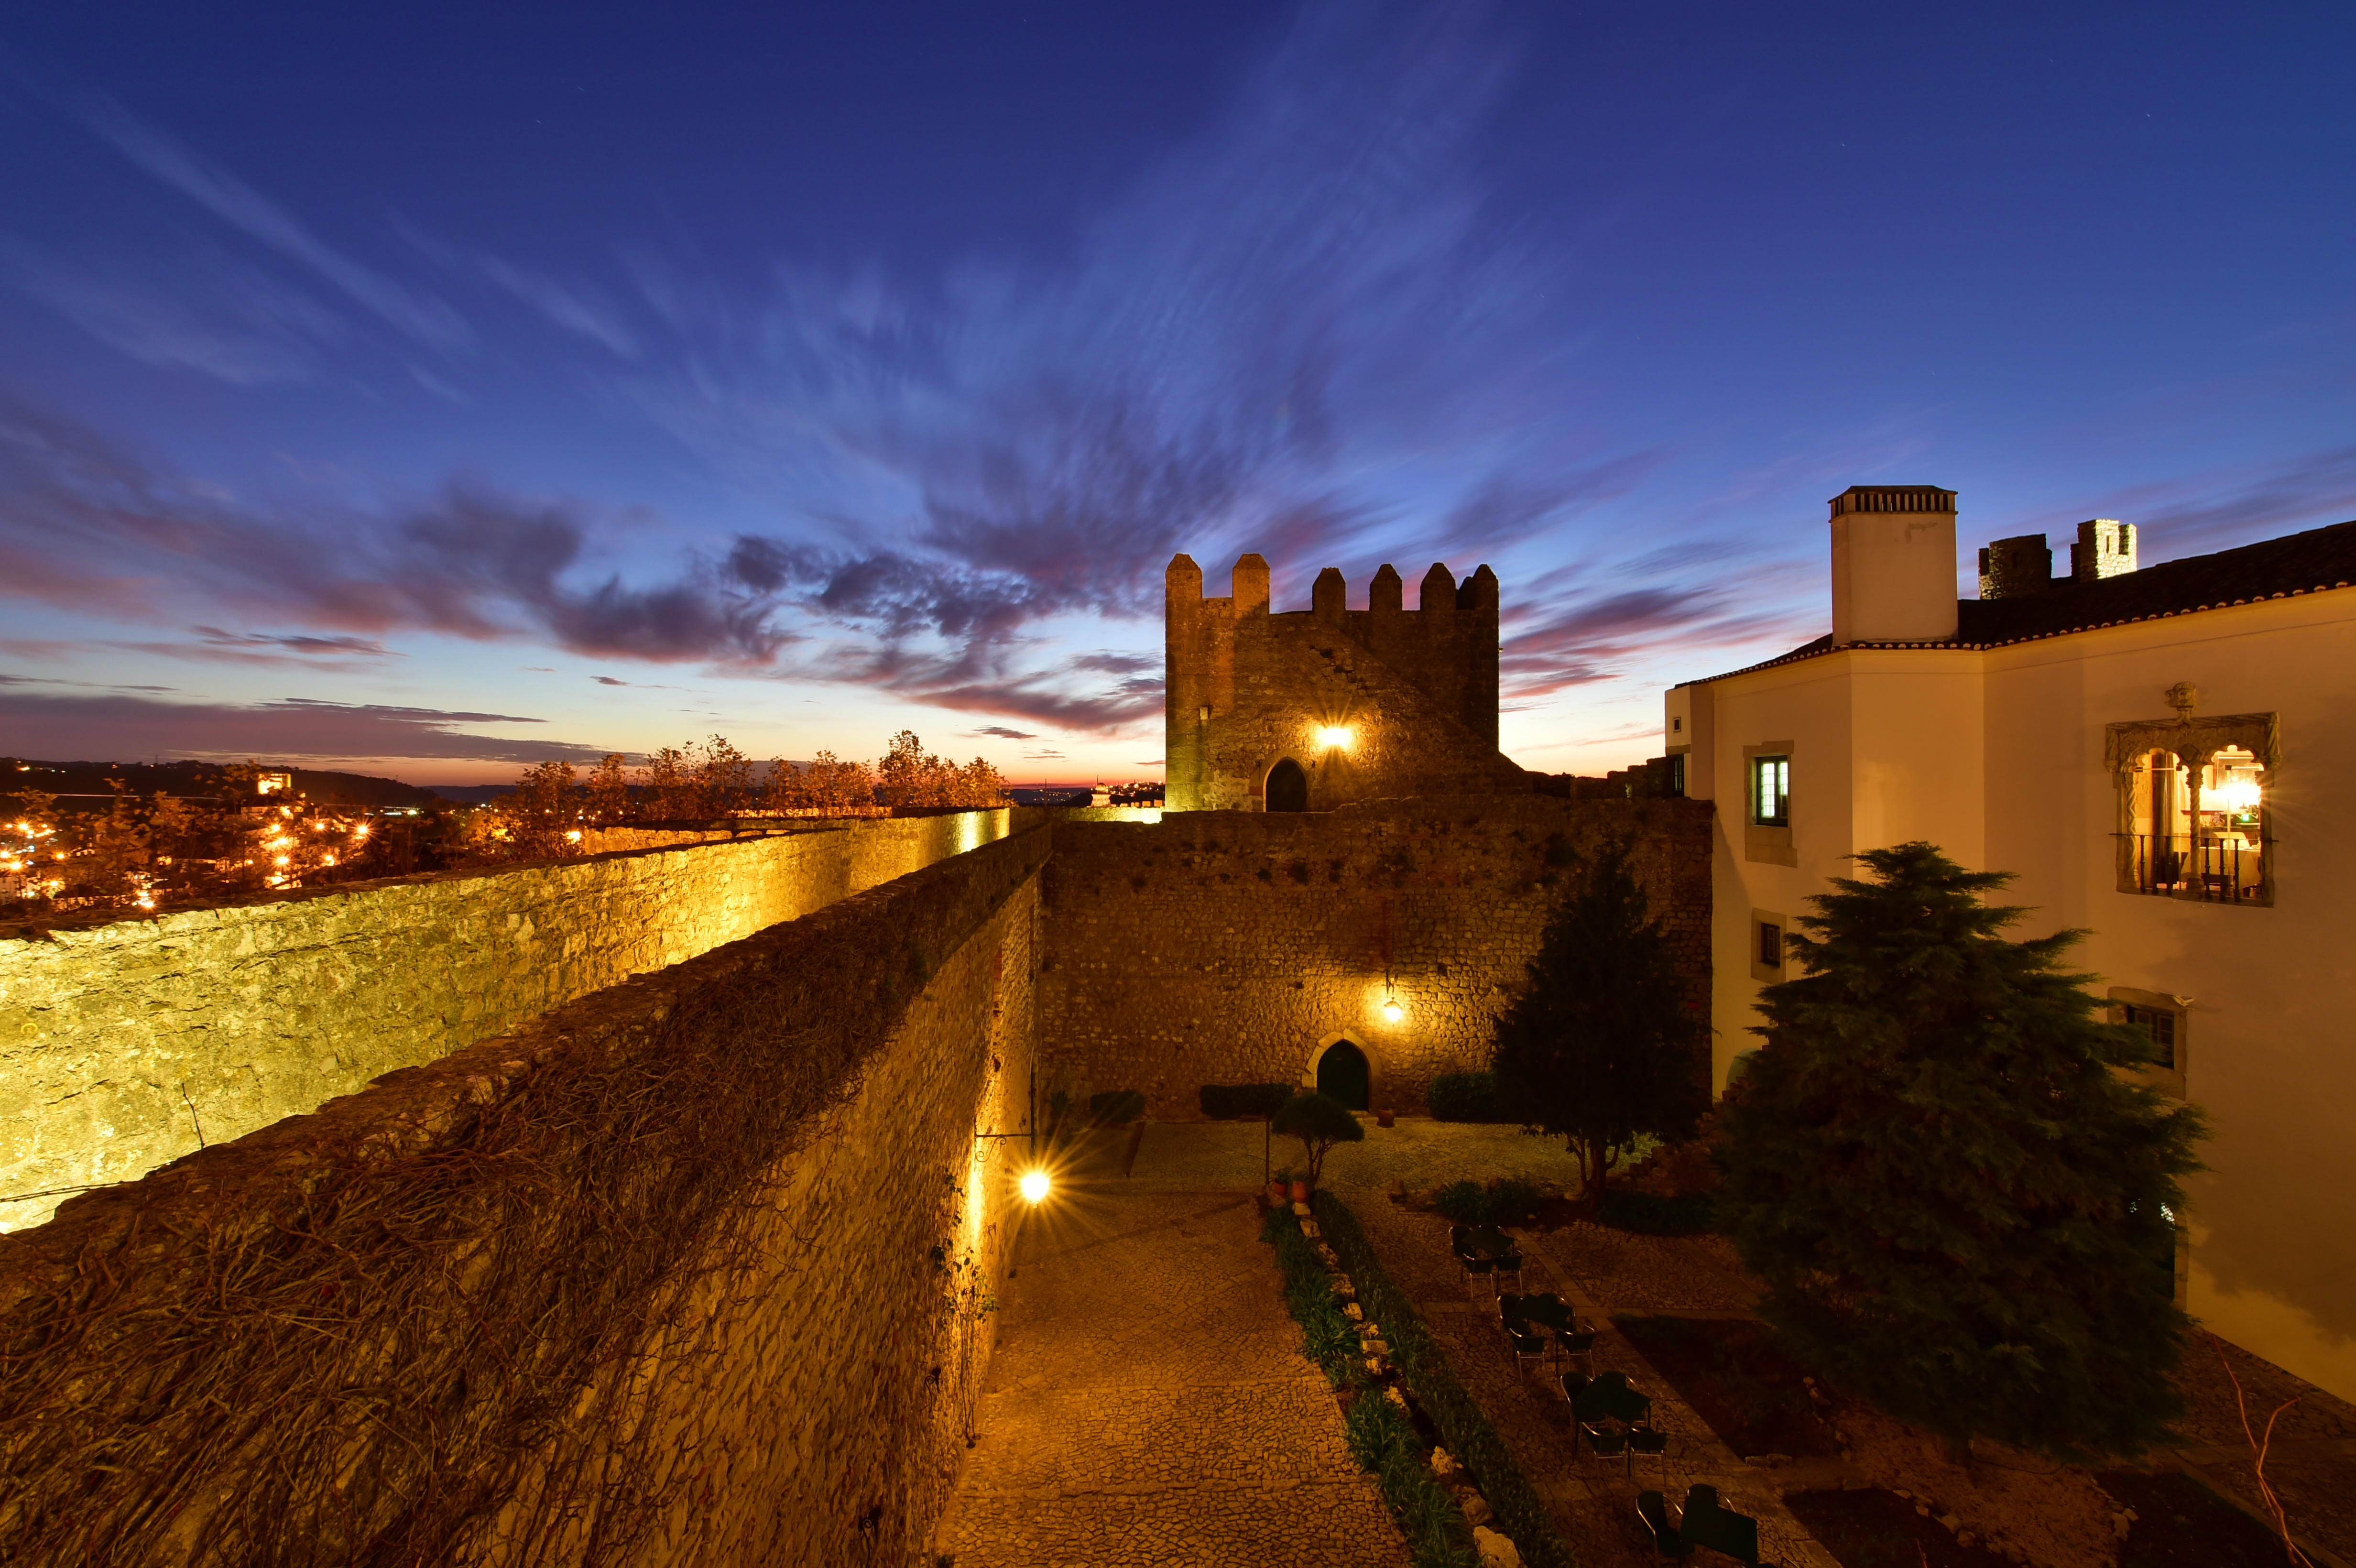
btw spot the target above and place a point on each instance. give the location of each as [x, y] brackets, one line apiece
[1252, 689]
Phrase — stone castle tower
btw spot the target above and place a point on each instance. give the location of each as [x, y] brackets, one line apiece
[1315, 709]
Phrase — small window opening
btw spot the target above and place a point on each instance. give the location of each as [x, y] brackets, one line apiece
[2159, 1024]
[1771, 944]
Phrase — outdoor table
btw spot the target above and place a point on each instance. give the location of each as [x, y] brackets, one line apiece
[1552, 1310]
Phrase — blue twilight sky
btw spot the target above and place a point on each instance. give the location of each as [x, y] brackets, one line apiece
[436, 388]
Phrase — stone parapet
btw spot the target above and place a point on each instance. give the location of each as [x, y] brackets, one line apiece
[125, 1045]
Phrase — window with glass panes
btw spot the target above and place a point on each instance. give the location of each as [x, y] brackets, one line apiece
[1770, 790]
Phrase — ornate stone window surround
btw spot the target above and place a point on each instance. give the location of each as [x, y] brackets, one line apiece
[2195, 743]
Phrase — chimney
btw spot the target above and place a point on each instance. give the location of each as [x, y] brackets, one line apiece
[2014, 568]
[2106, 548]
[1894, 564]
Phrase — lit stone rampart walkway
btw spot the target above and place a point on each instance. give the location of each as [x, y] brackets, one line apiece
[1147, 1404]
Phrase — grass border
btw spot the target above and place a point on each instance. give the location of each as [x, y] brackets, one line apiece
[1469, 1434]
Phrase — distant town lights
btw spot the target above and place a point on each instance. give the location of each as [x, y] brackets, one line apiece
[1335, 737]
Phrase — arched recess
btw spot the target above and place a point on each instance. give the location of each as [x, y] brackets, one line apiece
[1288, 787]
[1345, 1070]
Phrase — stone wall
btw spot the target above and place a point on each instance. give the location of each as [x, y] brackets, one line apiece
[125, 1045]
[1232, 947]
[586, 1292]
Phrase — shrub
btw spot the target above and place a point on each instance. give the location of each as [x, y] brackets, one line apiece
[1467, 1202]
[1224, 1102]
[1115, 1106]
[1464, 1427]
[1512, 1198]
[1465, 1097]
[1462, 1202]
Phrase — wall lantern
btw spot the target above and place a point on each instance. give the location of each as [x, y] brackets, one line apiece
[1035, 1185]
[1392, 1011]
[1335, 737]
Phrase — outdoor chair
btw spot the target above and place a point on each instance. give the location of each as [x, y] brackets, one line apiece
[1605, 1440]
[1513, 1310]
[1529, 1344]
[1647, 1441]
[1580, 1344]
[1654, 1510]
[1509, 1263]
[1704, 1523]
[1480, 1268]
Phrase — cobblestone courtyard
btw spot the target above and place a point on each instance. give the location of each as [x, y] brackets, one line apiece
[1147, 1405]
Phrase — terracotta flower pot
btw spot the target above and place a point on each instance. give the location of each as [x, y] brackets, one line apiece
[1300, 1190]
[1277, 1195]
[1383, 1118]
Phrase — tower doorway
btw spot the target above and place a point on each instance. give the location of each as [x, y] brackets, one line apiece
[1342, 1075]
[1288, 787]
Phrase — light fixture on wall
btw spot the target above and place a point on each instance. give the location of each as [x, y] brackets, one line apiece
[1392, 1011]
[1035, 1185]
[1335, 737]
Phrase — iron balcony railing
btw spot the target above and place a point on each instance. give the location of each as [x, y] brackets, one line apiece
[2186, 866]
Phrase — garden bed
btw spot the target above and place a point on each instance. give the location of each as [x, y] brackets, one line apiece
[1735, 1379]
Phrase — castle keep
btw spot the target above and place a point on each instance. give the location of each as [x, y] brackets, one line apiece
[1312, 709]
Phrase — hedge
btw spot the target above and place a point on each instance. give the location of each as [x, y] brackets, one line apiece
[1465, 1097]
[1224, 1102]
[1464, 1427]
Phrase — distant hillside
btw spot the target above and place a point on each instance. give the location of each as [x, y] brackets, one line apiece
[469, 795]
[90, 779]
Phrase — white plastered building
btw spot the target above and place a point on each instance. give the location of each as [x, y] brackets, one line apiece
[2161, 756]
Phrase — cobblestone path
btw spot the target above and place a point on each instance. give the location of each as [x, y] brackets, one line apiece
[1147, 1404]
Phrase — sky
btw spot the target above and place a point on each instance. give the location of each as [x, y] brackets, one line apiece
[437, 390]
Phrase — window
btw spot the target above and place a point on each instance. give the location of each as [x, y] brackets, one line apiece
[2159, 1023]
[1678, 775]
[1771, 792]
[2165, 1021]
[2195, 807]
[1767, 949]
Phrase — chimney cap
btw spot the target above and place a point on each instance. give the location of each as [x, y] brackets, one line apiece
[1893, 499]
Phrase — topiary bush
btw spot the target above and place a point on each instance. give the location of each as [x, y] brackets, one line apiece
[1465, 1097]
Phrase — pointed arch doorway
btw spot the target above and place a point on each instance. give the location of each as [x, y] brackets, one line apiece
[1342, 1074]
[1288, 787]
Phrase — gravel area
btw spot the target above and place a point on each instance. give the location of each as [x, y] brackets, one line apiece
[1147, 1405]
[1621, 1270]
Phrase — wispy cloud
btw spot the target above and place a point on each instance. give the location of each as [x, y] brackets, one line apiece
[207, 313]
[416, 313]
[117, 724]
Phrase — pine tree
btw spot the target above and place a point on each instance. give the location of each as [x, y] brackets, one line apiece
[1960, 1210]
[1601, 1048]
